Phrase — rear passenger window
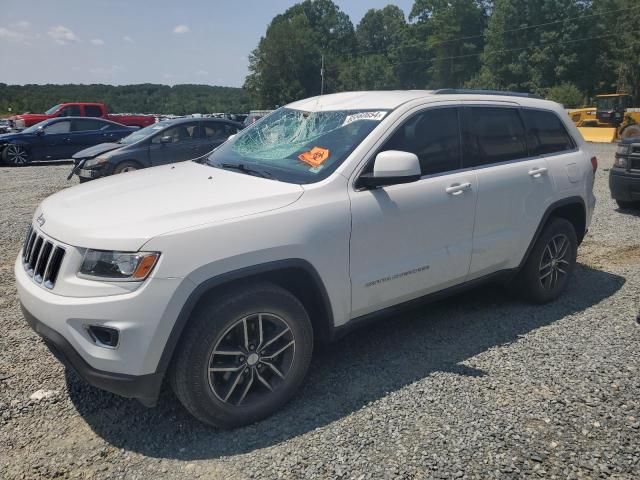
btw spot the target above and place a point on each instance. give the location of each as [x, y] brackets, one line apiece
[433, 136]
[545, 133]
[70, 111]
[86, 125]
[92, 111]
[492, 135]
[215, 131]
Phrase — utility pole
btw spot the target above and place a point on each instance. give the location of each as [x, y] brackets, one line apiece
[322, 75]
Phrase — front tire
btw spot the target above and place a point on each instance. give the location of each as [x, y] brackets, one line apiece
[243, 356]
[15, 155]
[551, 262]
[124, 167]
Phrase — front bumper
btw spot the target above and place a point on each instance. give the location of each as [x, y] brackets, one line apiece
[143, 316]
[145, 388]
[624, 185]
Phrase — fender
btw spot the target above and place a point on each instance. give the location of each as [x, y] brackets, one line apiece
[545, 217]
[197, 294]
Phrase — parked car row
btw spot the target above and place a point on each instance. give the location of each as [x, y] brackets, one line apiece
[80, 109]
[165, 142]
[101, 147]
[59, 138]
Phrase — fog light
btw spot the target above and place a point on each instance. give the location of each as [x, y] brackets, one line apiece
[104, 336]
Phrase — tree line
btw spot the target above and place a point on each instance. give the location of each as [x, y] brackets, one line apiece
[144, 98]
[566, 50]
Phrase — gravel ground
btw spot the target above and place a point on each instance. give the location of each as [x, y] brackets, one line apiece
[479, 386]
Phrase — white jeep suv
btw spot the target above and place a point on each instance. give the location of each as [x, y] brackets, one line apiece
[220, 274]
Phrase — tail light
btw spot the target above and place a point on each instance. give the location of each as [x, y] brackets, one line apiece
[594, 164]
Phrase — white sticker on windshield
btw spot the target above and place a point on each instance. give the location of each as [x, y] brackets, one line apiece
[376, 116]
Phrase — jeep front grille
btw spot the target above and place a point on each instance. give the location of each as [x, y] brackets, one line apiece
[42, 258]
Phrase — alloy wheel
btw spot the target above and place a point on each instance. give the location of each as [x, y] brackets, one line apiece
[554, 263]
[17, 155]
[251, 359]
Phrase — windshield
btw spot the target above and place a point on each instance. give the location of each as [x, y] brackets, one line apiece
[52, 109]
[296, 146]
[34, 128]
[607, 103]
[143, 133]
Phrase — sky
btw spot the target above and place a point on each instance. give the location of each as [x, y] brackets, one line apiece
[122, 42]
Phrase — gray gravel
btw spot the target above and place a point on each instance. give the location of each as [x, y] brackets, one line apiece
[479, 386]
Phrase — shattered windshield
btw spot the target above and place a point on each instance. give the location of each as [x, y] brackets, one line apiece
[297, 146]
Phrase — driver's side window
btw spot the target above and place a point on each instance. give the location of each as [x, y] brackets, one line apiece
[434, 136]
[70, 111]
[58, 127]
[179, 133]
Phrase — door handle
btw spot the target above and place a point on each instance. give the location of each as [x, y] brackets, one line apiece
[458, 188]
[537, 172]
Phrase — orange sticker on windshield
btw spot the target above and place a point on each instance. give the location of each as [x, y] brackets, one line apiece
[315, 157]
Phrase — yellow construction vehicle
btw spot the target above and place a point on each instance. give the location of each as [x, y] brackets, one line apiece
[610, 120]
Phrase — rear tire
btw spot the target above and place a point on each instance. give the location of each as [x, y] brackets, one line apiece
[546, 272]
[227, 371]
[124, 167]
[15, 155]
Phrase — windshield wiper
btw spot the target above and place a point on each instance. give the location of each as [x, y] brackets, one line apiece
[241, 167]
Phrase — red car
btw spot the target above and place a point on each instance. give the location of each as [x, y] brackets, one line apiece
[80, 109]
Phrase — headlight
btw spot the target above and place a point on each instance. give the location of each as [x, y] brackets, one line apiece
[623, 149]
[117, 266]
[100, 159]
[620, 162]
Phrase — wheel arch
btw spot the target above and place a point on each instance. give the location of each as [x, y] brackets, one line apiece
[129, 160]
[572, 209]
[295, 275]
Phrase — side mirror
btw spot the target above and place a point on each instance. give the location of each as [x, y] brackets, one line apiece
[390, 168]
[166, 139]
[40, 131]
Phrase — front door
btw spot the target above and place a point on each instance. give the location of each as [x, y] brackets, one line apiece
[174, 144]
[55, 142]
[412, 239]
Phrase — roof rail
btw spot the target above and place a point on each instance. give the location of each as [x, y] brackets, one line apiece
[467, 91]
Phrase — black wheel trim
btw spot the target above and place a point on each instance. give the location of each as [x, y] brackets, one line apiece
[17, 155]
[554, 262]
[251, 359]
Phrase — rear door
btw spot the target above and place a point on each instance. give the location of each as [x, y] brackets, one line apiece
[514, 188]
[87, 132]
[180, 143]
[214, 134]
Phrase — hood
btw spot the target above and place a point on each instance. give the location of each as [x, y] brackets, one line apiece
[8, 137]
[123, 212]
[32, 117]
[96, 150]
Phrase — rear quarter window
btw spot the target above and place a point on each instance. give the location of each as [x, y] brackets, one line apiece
[546, 133]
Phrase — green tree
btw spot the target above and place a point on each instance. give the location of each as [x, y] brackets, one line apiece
[616, 67]
[567, 94]
[286, 64]
[532, 45]
[452, 33]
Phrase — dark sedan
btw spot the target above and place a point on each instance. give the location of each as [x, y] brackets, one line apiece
[168, 141]
[59, 138]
